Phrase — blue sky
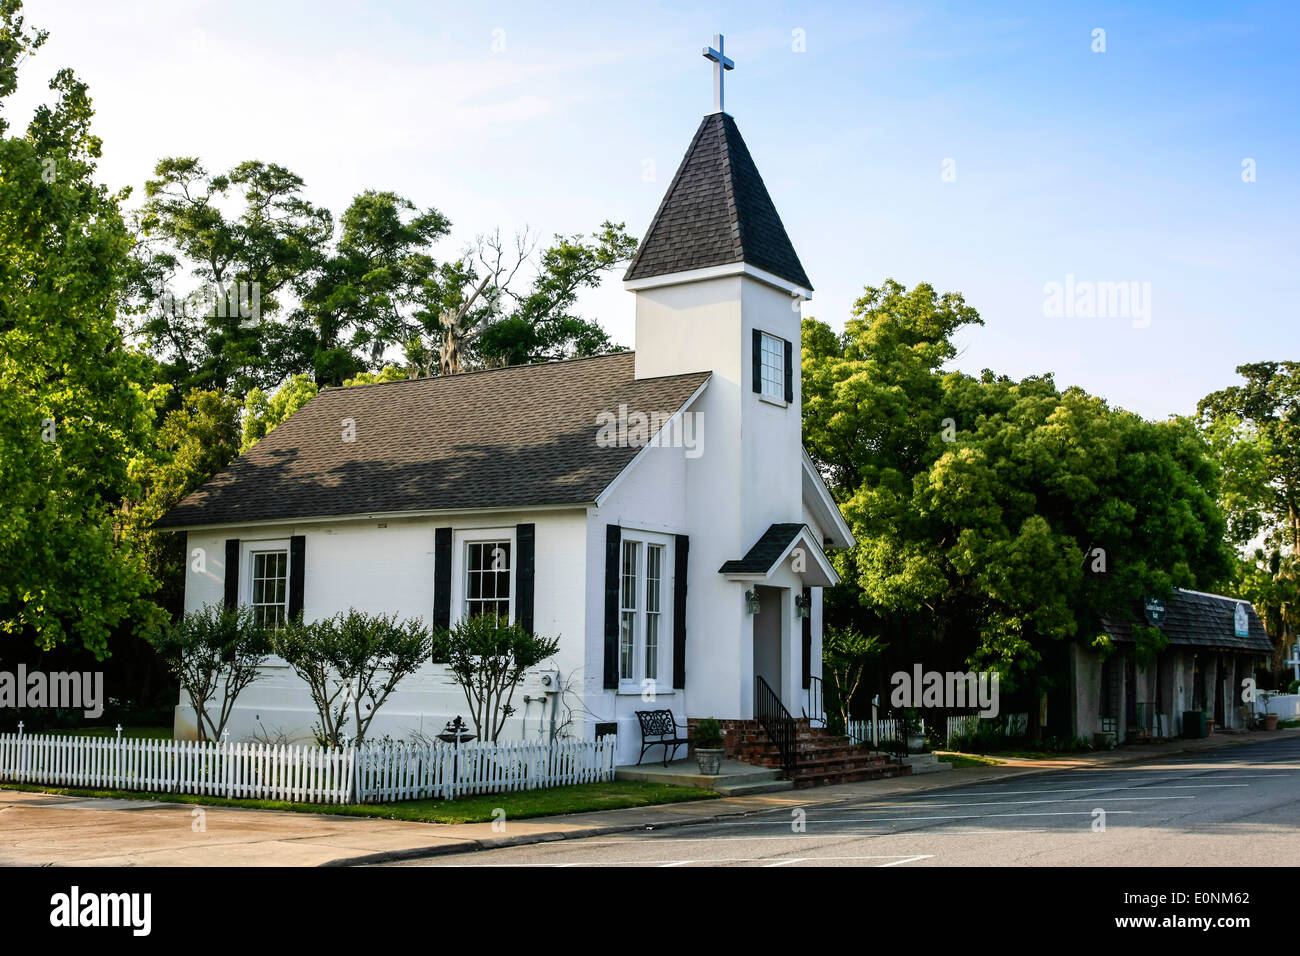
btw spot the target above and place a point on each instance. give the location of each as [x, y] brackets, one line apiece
[1115, 166]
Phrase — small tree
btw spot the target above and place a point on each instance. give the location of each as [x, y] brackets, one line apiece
[488, 659]
[214, 647]
[352, 662]
[845, 656]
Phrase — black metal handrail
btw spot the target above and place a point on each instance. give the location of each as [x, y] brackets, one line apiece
[776, 723]
[816, 710]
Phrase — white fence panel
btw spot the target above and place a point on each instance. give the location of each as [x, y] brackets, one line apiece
[303, 774]
[251, 771]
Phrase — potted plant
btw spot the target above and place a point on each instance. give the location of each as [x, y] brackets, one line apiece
[707, 742]
[1209, 722]
[1270, 718]
[915, 733]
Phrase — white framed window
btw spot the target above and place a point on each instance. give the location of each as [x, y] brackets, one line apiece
[265, 583]
[645, 627]
[483, 578]
[772, 367]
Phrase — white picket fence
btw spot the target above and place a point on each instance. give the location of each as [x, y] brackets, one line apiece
[306, 774]
[302, 773]
[403, 771]
[860, 731]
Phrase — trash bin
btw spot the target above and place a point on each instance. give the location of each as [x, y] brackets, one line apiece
[1194, 724]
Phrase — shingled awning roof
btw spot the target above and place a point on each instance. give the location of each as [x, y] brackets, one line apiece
[1193, 618]
[771, 549]
[717, 212]
[504, 438]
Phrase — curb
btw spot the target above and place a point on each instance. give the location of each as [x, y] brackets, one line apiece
[582, 833]
[545, 836]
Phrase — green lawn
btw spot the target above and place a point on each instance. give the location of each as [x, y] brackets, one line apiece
[582, 798]
[128, 733]
[965, 760]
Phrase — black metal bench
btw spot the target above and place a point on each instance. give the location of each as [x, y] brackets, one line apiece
[659, 727]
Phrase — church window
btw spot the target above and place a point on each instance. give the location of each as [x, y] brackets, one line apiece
[643, 639]
[270, 587]
[773, 367]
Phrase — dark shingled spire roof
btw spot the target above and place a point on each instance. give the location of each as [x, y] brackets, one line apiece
[717, 212]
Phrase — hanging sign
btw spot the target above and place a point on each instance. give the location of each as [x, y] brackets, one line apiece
[1155, 609]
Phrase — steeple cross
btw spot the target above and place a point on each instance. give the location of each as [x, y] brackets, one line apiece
[720, 64]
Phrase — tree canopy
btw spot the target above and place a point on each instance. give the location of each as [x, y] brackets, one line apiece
[73, 399]
[995, 516]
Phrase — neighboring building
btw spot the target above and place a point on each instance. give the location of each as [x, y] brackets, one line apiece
[1215, 643]
[509, 492]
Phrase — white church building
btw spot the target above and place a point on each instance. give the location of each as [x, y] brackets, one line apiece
[655, 509]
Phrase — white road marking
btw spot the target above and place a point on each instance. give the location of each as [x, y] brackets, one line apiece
[1019, 793]
[967, 816]
[796, 859]
[793, 836]
[1009, 803]
[910, 859]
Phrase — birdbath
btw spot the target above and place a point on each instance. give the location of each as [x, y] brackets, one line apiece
[455, 733]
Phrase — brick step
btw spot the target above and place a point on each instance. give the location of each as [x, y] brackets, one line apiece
[849, 750]
[826, 762]
[826, 778]
[820, 758]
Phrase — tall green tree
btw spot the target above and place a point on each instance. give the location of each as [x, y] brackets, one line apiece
[192, 443]
[995, 517]
[1254, 429]
[370, 292]
[71, 411]
[541, 324]
[217, 258]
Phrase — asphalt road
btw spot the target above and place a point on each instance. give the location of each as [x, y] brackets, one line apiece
[1239, 806]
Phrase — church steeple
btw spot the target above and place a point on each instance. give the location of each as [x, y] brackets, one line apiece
[717, 213]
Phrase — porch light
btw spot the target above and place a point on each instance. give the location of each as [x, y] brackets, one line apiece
[751, 601]
[802, 604]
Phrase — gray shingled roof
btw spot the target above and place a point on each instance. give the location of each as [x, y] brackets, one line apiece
[518, 436]
[716, 212]
[767, 550]
[1197, 619]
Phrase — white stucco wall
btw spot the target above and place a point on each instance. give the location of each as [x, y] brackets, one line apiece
[357, 564]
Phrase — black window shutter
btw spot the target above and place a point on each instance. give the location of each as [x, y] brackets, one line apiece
[789, 371]
[526, 548]
[232, 573]
[613, 541]
[681, 548]
[441, 578]
[297, 573]
[807, 640]
[758, 360]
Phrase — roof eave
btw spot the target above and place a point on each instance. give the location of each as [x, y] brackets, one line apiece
[794, 289]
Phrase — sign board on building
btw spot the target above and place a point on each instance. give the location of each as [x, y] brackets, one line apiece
[1240, 621]
[1155, 609]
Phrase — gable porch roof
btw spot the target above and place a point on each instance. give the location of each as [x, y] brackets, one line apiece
[772, 548]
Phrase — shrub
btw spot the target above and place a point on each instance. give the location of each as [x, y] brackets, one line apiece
[352, 662]
[488, 658]
[213, 647]
[707, 735]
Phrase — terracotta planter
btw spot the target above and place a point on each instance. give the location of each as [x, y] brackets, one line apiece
[1270, 721]
[1209, 726]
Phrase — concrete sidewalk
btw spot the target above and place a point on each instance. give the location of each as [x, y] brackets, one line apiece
[42, 829]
